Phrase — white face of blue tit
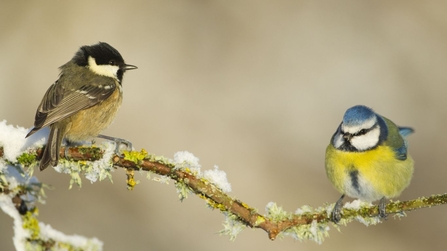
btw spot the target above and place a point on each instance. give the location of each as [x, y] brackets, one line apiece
[358, 132]
[104, 70]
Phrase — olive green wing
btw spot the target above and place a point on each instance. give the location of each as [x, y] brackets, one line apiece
[396, 138]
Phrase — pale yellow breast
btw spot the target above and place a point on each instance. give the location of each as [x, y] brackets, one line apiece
[88, 123]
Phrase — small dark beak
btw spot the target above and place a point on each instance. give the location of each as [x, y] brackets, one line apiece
[347, 136]
[128, 67]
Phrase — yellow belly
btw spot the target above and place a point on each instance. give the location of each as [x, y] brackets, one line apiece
[368, 175]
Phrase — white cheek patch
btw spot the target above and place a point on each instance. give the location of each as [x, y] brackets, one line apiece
[104, 70]
[366, 141]
[365, 125]
[338, 140]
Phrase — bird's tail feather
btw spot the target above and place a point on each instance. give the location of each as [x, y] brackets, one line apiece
[50, 154]
[405, 131]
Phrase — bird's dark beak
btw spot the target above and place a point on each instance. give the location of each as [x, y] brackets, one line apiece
[127, 67]
[347, 136]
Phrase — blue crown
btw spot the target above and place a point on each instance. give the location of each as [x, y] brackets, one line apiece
[357, 115]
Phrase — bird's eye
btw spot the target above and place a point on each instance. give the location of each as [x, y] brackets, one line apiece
[361, 132]
[112, 62]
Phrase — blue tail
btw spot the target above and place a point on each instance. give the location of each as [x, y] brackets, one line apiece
[405, 131]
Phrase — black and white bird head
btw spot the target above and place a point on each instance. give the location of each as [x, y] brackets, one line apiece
[360, 130]
[102, 59]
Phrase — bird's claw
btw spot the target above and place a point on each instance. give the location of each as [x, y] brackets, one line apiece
[382, 209]
[336, 212]
[118, 143]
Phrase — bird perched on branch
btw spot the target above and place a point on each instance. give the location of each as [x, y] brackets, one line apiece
[367, 158]
[83, 101]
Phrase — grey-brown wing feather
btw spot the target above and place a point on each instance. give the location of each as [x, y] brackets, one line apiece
[59, 103]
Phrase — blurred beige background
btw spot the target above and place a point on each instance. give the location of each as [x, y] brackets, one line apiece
[255, 87]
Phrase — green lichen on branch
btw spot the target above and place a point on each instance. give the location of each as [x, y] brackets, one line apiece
[27, 159]
[305, 224]
[31, 223]
[135, 156]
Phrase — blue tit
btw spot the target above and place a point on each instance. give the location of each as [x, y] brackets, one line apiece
[367, 158]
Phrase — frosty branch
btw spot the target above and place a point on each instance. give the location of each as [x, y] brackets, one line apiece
[306, 223]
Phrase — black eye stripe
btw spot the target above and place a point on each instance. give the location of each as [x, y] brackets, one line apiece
[365, 131]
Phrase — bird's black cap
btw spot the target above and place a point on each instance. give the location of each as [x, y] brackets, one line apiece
[103, 53]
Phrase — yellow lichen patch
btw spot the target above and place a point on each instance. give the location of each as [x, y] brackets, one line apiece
[213, 204]
[245, 205]
[260, 219]
[131, 183]
[135, 156]
[32, 224]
